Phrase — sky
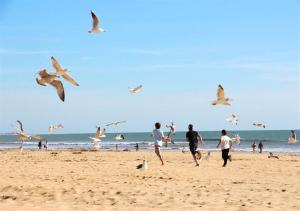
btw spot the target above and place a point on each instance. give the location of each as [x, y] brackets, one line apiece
[179, 50]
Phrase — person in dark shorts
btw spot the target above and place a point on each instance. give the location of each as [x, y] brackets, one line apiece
[40, 144]
[260, 146]
[193, 137]
[226, 144]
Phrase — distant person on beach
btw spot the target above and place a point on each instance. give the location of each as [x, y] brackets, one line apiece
[158, 136]
[40, 144]
[193, 137]
[260, 146]
[226, 144]
[136, 147]
[253, 147]
[46, 145]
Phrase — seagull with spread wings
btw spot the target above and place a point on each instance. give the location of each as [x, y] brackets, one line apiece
[59, 71]
[25, 137]
[135, 89]
[221, 97]
[46, 78]
[52, 128]
[233, 119]
[96, 24]
[115, 123]
[259, 125]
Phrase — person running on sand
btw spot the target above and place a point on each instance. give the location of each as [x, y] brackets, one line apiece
[194, 138]
[226, 144]
[159, 137]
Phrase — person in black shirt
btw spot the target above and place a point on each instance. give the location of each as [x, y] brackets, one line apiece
[193, 137]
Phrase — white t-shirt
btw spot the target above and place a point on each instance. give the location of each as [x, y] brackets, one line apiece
[225, 142]
[158, 134]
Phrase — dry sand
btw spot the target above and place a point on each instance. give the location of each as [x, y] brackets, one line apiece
[72, 180]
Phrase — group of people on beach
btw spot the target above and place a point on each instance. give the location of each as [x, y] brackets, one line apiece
[194, 138]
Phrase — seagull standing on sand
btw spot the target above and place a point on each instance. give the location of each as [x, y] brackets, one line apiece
[259, 125]
[135, 89]
[143, 166]
[233, 119]
[221, 97]
[46, 78]
[62, 72]
[96, 24]
[52, 128]
[115, 123]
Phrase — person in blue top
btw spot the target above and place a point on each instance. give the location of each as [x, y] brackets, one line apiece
[158, 137]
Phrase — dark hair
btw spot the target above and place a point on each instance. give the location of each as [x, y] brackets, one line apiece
[224, 132]
[190, 127]
[157, 125]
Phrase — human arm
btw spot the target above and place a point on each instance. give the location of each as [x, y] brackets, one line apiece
[200, 139]
[219, 143]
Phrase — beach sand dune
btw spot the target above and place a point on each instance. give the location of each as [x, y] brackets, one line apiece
[69, 180]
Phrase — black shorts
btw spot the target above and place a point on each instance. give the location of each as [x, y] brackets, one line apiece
[193, 148]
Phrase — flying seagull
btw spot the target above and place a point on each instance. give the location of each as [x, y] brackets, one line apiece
[221, 97]
[62, 72]
[46, 78]
[120, 137]
[171, 132]
[23, 136]
[259, 125]
[115, 123]
[52, 128]
[233, 119]
[96, 24]
[135, 89]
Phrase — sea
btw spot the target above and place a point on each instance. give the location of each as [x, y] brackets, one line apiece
[273, 141]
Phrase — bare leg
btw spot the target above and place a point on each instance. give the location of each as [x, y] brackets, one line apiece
[161, 159]
[195, 159]
[199, 154]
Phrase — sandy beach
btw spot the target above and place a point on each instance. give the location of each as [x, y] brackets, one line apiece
[87, 180]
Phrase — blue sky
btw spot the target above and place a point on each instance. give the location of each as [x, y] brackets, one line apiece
[179, 50]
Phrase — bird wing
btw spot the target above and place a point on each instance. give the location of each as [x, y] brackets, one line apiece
[59, 88]
[55, 64]
[220, 93]
[109, 124]
[138, 87]
[96, 21]
[40, 82]
[43, 73]
[67, 77]
[21, 125]
[98, 132]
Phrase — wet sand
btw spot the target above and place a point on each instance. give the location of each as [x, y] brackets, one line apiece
[83, 180]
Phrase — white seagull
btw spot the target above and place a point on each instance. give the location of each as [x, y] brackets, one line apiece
[23, 136]
[259, 125]
[119, 137]
[96, 24]
[233, 119]
[46, 78]
[221, 97]
[115, 123]
[143, 166]
[62, 72]
[135, 89]
[52, 128]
